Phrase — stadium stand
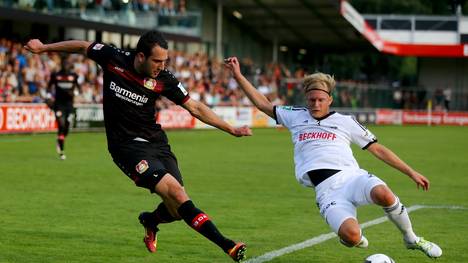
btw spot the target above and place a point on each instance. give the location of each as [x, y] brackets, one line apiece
[24, 77]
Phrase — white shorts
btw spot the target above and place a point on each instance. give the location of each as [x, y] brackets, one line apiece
[338, 196]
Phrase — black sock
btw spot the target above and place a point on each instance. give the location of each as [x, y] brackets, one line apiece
[61, 143]
[199, 221]
[162, 215]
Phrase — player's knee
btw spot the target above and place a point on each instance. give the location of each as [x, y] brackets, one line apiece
[383, 196]
[178, 194]
[350, 232]
[350, 237]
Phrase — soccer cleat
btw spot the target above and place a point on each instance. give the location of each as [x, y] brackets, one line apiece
[432, 250]
[237, 253]
[62, 156]
[364, 243]
[150, 239]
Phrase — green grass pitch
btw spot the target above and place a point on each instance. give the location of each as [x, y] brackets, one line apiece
[85, 210]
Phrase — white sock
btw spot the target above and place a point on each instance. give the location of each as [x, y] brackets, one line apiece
[398, 214]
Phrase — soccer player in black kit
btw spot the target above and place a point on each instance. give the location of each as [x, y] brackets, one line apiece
[132, 83]
[63, 84]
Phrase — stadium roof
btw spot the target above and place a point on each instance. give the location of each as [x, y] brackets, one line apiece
[296, 23]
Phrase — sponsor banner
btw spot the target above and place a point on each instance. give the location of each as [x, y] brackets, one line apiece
[243, 116]
[228, 114]
[26, 117]
[387, 116]
[455, 118]
[436, 118]
[88, 116]
[260, 119]
[175, 117]
[235, 116]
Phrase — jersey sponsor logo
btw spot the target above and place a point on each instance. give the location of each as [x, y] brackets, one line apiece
[316, 136]
[127, 95]
[149, 83]
[65, 85]
[142, 166]
[181, 87]
[98, 46]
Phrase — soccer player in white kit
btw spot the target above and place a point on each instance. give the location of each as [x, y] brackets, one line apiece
[324, 160]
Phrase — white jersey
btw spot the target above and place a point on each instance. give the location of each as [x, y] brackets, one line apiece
[323, 143]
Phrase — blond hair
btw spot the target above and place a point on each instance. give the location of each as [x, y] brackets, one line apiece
[319, 81]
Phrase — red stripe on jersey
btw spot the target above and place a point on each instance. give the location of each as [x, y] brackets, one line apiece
[132, 77]
[124, 73]
[113, 68]
[199, 220]
[159, 86]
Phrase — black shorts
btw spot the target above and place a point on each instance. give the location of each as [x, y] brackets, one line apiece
[65, 109]
[146, 163]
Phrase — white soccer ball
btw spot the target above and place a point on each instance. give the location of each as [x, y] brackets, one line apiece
[379, 258]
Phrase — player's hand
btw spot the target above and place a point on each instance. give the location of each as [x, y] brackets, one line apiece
[421, 180]
[242, 131]
[34, 46]
[232, 63]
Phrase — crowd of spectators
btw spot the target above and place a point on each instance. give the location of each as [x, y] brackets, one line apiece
[24, 77]
[163, 7]
[171, 13]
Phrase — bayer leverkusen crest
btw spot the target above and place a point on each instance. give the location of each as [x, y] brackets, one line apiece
[149, 83]
[142, 166]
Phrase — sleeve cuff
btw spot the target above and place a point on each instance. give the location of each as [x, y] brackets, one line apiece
[274, 115]
[369, 144]
[185, 100]
[89, 48]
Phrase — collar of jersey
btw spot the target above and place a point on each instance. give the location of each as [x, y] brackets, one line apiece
[324, 117]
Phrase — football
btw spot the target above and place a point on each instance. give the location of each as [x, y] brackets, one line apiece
[379, 258]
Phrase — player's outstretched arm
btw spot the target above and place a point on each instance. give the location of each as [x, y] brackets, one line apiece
[258, 99]
[389, 157]
[69, 46]
[206, 115]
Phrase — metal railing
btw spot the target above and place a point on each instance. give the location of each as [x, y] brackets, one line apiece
[355, 95]
[413, 22]
[187, 23]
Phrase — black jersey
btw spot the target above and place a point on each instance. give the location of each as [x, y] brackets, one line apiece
[64, 84]
[129, 98]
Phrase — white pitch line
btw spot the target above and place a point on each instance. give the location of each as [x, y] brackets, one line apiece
[324, 237]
